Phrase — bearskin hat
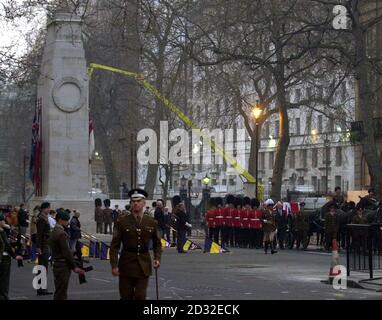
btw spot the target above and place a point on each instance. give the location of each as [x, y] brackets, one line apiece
[255, 203]
[246, 201]
[230, 199]
[98, 202]
[106, 202]
[219, 201]
[238, 201]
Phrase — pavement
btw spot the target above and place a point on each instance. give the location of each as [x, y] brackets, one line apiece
[246, 274]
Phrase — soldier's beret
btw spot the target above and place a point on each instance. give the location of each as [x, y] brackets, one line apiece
[62, 215]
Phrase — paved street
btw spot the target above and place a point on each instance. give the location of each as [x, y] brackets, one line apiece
[240, 274]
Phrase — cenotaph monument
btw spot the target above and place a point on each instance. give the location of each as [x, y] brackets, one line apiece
[63, 88]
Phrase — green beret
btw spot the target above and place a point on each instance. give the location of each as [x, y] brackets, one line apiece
[63, 215]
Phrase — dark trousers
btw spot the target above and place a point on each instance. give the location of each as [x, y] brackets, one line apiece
[106, 225]
[224, 236]
[302, 237]
[5, 274]
[99, 227]
[216, 234]
[329, 237]
[133, 288]
[61, 274]
[258, 238]
[166, 232]
[244, 238]
[43, 260]
[231, 236]
[211, 233]
[281, 235]
[236, 236]
[181, 239]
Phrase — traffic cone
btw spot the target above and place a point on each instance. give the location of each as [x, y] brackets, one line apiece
[335, 261]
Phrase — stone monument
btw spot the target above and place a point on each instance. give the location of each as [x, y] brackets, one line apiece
[63, 89]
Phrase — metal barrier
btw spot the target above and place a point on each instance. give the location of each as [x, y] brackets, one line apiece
[364, 249]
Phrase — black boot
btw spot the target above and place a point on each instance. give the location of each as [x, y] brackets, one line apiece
[273, 251]
[266, 247]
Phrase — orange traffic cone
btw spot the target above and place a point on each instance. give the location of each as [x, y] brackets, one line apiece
[335, 261]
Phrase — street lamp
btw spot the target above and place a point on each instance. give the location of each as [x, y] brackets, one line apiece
[257, 111]
[206, 181]
[327, 161]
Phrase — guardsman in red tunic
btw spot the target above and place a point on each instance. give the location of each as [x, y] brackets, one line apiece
[237, 221]
[257, 223]
[245, 222]
[229, 214]
[219, 218]
[210, 220]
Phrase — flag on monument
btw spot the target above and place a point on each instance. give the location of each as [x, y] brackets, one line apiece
[92, 246]
[190, 245]
[91, 138]
[105, 254]
[213, 247]
[35, 160]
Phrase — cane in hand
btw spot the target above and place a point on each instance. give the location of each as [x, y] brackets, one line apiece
[156, 282]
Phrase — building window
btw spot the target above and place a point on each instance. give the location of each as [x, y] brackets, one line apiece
[298, 95]
[314, 183]
[343, 91]
[262, 160]
[338, 181]
[277, 128]
[303, 158]
[300, 181]
[266, 130]
[224, 182]
[291, 159]
[213, 182]
[319, 123]
[320, 91]
[218, 108]
[326, 155]
[308, 124]
[231, 182]
[309, 92]
[199, 183]
[331, 125]
[206, 111]
[271, 159]
[338, 156]
[314, 158]
[297, 126]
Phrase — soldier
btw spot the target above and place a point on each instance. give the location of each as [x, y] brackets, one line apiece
[210, 220]
[63, 261]
[229, 214]
[107, 216]
[219, 220]
[6, 253]
[237, 221]
[331, 225]
[256, 224]
[98, 215]
[182, 225]
[359, 218]
[245, 225]
[42, 237]
[269, 226]
[302, 227]
[281, 223]
[338, 197]
[134, 265]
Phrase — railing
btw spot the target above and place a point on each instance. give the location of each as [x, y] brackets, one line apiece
[364, 249]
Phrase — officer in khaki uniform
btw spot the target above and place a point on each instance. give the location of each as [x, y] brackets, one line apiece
[63, 261]
[134, 266]
[331, 225]
[302, 227]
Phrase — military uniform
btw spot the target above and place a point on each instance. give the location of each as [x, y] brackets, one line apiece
[107, 216]
[269, 228]
[6, 253]
[134, 263]
[331, 228]
[98, 217]
[42, 237]
[63, 261]
[302, 228]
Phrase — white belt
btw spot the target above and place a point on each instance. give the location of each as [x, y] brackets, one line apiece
[230, 217]
[237, 217]
[245, 218]
[219, 217]
[254, 219]
[5, 254]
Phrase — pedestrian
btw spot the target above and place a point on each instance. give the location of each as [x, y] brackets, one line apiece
[63, 261]
[116, 214]
[42, 237]
[181, 223]
[167, 223]
[22, 219]
[245, 223]
[98, 215]
[159, 217]
[107, 217]
[281, 224]
[229, 212]
[52, 219]
[134, 265]
[269, 226]
[6, 253]
[33, 223]
[75, 230]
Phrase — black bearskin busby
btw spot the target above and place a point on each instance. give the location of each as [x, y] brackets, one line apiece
[255, 203]
[98, 202]
[238, 202]
[230, 199]
[246, 201]
[106, 202]
[219, 202]
[175, 201]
